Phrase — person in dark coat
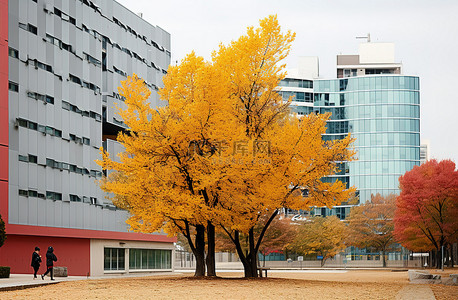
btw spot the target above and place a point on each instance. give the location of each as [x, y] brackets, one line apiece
[50, 259]
[36, 260]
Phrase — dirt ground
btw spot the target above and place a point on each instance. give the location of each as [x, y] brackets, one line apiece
[358, 284]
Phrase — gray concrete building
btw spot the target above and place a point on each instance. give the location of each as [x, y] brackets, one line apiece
[64, 62]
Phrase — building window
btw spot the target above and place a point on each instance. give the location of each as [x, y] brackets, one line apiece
[75, 198]
[114, 259]
[57, 12]
[120, 72]
[53, 195]
[96, 116]
[49, 130]
[75, 79]
[92, 59]
[65, 105]
[33, 125]
[32, 29]
[42, 129]
[140, 259]
[32, 158]
[22, 122]
[41, 65]
[13, 52]
[23, 26]
[14, 87]
[58, 133]
[50, 162]
[23, 193]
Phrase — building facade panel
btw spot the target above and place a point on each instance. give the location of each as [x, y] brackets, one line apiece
[128, 257]
[72, 253]
[4, 87]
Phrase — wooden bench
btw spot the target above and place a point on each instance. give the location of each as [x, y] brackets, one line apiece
[263, 269]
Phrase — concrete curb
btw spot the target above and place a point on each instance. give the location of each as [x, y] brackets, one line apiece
[26, 286]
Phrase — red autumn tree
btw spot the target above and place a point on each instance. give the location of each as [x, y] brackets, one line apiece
[278, 237]
[427, 208]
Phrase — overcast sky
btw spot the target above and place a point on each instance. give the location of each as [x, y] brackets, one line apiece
[425, 34]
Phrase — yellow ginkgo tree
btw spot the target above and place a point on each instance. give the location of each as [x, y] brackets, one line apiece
[157, 177]
[277, 158]
[226, 153]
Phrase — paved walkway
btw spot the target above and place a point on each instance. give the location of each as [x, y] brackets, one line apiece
[415, 292]
[22, 281]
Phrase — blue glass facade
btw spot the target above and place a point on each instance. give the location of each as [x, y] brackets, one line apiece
[383, 113]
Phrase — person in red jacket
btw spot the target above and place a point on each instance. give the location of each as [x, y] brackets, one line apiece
[50, 259]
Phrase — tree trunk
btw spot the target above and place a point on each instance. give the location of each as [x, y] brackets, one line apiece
[383, 258]
[248, 258]
[252, 256]
[438, 258]
[250, 267]
[452, 257]
[238, 248]
[199, 252]
[449, 255]
[210, 260]
[246, 267]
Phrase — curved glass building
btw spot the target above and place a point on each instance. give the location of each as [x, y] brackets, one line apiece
[376, 104]
[383, 113]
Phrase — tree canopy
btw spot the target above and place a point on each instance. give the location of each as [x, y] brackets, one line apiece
[427, 208]
[323, 236]
[226, 151]
[371, 224]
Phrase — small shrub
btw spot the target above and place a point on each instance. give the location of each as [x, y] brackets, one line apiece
[4, 272]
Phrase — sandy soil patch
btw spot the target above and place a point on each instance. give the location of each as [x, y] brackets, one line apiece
[279, 285]
[443, 292]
